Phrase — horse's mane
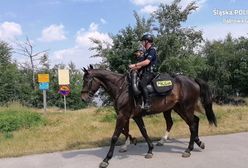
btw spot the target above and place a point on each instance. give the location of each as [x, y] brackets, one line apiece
[101, 71]
[116, 75]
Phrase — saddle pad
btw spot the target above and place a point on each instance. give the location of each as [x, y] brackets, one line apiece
[162, 83]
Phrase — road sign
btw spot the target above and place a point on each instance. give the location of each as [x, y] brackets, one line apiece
[64, 90]
[63, 77]
[43, 78]
[44, 86]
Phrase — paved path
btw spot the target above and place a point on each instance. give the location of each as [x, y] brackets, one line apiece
[222, 151]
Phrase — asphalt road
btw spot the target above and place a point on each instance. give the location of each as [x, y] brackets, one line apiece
[222, 151]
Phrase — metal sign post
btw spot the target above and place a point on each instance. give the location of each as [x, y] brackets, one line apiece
[43, 80]
[65, 102]
[64, 82]
[64, 90]
[44, 100]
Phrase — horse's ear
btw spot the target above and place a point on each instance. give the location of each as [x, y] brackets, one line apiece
[91, 67]
[85, 71]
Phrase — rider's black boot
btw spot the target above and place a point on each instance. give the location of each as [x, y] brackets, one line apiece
[147, 103]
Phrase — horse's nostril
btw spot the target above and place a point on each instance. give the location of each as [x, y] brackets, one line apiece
[83, 99]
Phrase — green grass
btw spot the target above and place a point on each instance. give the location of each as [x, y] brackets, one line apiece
[13, 119]
[37, 132]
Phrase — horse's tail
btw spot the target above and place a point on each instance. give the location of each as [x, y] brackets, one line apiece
[206, 100]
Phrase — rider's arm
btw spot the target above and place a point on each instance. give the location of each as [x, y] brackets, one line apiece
[142, 63]
[139, 64]
[146, 62]
[150, 57]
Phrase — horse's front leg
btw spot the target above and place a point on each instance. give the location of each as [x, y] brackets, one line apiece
[120, 123]
[139, 121]
[128, 138]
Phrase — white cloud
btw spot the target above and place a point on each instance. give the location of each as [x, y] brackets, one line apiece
[149, 6]
[9, 31]
[103, 21]
[53, 33]
[80, 53]
[148, 2]
[219, 31]
[93, 27]
[83, 37]
[149, 9]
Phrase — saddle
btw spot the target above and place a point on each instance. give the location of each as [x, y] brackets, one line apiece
[161, 85]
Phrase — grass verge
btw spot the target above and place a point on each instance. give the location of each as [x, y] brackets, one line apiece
[93, 127]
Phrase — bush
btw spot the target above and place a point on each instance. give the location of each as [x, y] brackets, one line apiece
[109, 117]
[12, 120]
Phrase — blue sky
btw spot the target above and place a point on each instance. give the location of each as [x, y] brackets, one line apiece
[64, 26]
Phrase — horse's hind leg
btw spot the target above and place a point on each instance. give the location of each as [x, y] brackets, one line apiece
[197, 140]
[193, 127]
[188, 116]
[169, 123]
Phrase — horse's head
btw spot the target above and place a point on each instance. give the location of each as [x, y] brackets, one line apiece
[90, 84]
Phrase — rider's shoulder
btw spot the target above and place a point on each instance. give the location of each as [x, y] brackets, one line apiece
[153, 49]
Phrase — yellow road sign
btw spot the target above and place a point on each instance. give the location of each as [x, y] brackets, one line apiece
[43, 78]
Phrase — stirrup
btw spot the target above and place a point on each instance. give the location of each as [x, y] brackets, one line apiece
[147, 108]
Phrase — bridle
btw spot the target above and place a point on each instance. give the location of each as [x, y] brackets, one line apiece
[89, 91]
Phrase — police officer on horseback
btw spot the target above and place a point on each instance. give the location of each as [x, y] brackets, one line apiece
[148, 67]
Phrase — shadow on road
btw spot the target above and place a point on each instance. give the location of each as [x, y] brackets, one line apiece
[172, 146]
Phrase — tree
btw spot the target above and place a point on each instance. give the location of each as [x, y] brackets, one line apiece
[239, 67]
[227, 69]
[5, 53]
[177, 46]
[27, 49]
[119, 55]
[9, 77]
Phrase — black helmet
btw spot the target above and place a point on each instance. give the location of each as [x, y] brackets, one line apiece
[147, 37]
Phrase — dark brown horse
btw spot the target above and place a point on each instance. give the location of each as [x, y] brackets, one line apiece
[182, 99]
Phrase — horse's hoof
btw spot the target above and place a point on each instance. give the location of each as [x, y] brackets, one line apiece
[134, 141]
[202, 146]
[159, 143]
[186, 154]
[103, 164]
[122, 150]
[148, 155]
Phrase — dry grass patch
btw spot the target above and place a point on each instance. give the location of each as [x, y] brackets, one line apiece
[93, 127]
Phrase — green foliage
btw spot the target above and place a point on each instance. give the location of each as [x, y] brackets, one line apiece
[223, 63]
[12, 120]
[9, 78]
[181, 50]
[227, 66]
[108, 114]
[109, 117]
[5, 53]
[53, 97]
[177, 44]
[16, 85]
[119, 56]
